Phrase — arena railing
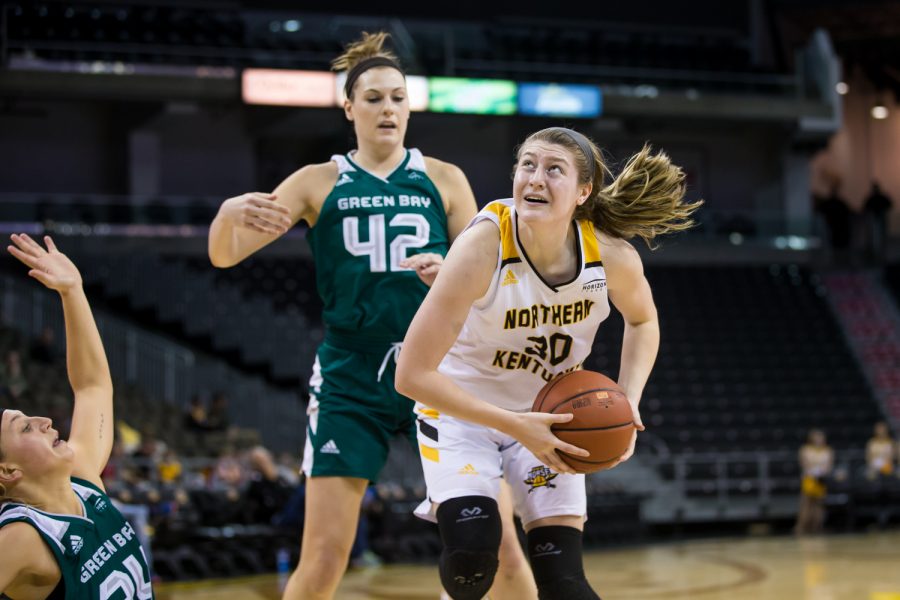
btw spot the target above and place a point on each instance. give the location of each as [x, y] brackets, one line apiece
[166, 371]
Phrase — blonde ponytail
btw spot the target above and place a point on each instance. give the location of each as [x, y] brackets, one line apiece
[645, 200]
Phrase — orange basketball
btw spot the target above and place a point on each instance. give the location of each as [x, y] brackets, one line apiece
[603, 421]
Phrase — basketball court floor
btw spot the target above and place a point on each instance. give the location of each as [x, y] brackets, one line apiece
[845, 567]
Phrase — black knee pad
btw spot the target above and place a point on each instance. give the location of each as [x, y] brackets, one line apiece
[470, 529]
[555, 555]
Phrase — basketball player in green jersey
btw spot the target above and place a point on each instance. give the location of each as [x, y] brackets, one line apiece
[60, 535]
[381, 219]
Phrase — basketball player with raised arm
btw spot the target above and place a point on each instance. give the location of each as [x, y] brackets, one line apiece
[556, 253]
[60, 535]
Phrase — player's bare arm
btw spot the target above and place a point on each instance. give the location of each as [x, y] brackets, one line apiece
[30, 571]
[91, 436]
[251, 221]
[630, 293]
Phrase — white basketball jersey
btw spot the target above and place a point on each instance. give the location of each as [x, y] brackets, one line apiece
[524, 331]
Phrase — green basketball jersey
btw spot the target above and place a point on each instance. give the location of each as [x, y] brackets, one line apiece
[367, 225]
[98, 554]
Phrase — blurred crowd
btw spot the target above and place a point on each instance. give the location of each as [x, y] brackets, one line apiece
[867, 489]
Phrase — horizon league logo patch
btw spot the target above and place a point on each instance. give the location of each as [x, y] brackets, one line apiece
[100, 505]
[470, 514]
[540, 477]
[594, 285]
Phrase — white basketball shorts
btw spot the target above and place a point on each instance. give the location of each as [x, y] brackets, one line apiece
[465, 459]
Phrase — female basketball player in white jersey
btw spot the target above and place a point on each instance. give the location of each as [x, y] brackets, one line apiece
[381, 219]
[816, 462]
[60, 535]
[880, 452]
[518, 301]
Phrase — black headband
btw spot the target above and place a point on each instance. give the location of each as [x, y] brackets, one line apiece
[583, 143]
[363, 66]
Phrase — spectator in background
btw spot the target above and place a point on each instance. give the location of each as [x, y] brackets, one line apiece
[128, 436]
[267, 493]
[289, 469]
[876, 209]
[880, 453]
[12, 378]
[111, 474]
[836, 214]
[169, 468]
[195, 417]
[43, 349]
[228, 473]
[227, 485]
[149, 453]
[816, 463]
[217, 419]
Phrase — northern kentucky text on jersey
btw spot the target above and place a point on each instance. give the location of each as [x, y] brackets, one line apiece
[105, 552]
[541, 314]
[523, 361]
[382, 201]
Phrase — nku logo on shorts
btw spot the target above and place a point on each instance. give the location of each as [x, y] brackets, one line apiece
[540, 477]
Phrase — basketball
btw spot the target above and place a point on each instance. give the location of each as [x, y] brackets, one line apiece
[603, 421]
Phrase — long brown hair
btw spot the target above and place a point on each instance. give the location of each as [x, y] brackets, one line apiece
[645, 200]
[370, 45]
[3, 497]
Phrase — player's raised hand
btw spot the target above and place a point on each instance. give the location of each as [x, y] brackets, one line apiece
[49, 266]
[426, 265]
[257, 211]
[534, 433]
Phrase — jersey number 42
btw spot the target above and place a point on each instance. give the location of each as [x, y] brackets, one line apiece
[376, 247]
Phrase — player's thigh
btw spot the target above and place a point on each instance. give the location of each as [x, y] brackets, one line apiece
[351, 417]
[538, 492]
[458, 458]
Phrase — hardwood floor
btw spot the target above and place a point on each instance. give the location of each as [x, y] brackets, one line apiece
[846, 567]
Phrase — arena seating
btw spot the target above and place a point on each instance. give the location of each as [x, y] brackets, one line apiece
[230, 37]
[751, 358]
[892, 279]
[196, 303]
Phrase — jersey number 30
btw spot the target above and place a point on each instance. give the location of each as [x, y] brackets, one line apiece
[376, 248]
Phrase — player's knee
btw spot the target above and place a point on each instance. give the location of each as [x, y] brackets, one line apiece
[324, 560]
[471, 530]
[555, 554]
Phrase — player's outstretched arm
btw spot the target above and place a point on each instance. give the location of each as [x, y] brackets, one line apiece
[91, 437]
